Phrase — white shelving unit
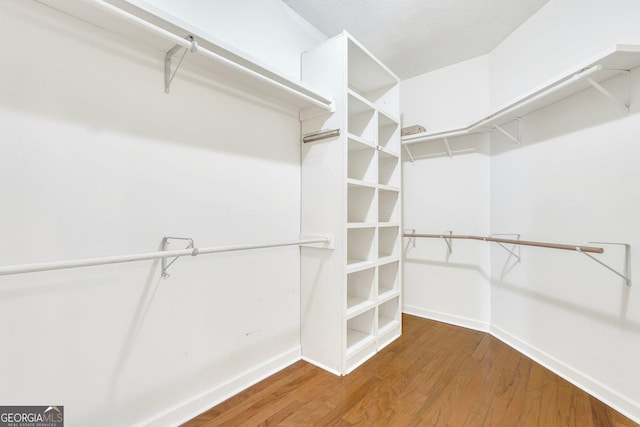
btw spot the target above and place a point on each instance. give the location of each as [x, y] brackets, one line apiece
[139, 23]
[351, 188]
[620, 58]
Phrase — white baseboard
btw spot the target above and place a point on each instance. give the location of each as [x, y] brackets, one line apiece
[615, 400]
[199, 404]
[451, 319]
[321, 366]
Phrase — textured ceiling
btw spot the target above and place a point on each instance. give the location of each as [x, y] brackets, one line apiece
[413, 37]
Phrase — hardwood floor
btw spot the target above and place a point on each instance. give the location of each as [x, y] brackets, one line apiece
[434, 375]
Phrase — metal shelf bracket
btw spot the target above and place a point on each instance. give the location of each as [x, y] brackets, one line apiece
[168, 76]
[165, 246]
[508, 135]
[448, 240]
[515, 250]
[627, 260]
[607, 94]
[446, 143]
[412, 240]
[406, 147]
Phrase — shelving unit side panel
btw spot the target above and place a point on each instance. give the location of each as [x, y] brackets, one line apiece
[322, 277]
[323, 282]
[321, 325]
[324, 68]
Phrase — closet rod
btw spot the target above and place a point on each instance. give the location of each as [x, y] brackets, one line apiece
[590, 249]
[188, 44]
[59, 265]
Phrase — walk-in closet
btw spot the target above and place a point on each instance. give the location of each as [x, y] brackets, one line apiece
[320, 213]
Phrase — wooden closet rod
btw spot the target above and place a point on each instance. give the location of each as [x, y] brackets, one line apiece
[590, 249]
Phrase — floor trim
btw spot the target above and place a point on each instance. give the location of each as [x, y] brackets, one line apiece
[196, 406]
[451, 319]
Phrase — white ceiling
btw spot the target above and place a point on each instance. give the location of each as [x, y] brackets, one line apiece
[413, 37]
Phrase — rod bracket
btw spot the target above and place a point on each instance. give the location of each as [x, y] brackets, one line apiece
[515, 250]
[166, 241]
[412, 239]
[329, 243]
[448, 240]
[168, 75]
[627, 260]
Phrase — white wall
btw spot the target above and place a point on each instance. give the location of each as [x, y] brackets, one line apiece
[96, 160]
[572, 181]
[261, 28]
[442, 193]
[561, 35]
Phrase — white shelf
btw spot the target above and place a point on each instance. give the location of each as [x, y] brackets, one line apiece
[360, 103]
[384, 187]
[354, 183]
[158, 31]
[361, 140]
[356, 306]
[387, 294]
[361, 225]
[357, 340]
[600, 68]
[388, 259]
[388, 224]
[355, 265]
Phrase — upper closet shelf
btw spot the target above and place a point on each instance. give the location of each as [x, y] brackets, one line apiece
[621, 58]
[141, 23]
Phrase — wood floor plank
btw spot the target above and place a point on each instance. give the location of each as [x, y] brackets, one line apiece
[434, 375]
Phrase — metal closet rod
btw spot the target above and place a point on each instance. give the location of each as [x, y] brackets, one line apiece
[188, 44]
[590, 249]
[60, 265]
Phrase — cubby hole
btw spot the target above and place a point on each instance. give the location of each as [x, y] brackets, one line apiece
[388, 241]
[388, 133]
[388, 314]
[388, 206]
[360, 245]
[388, 279]
[370, 79]
[361, 119]
[360, 289]
[360, 203]
[361, 161]
[360, 329]
[388, 169]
